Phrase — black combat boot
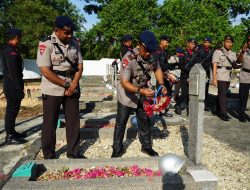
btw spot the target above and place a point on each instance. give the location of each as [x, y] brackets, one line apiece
[12, 139]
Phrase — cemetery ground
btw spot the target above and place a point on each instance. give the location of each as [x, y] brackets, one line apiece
[226, 145]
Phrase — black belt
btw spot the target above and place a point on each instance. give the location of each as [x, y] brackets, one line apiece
[246, 70]
[67, 73]
[227, 68]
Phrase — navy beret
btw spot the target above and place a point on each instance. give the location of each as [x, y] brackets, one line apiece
[192, 40]
[148, 39]
[64, 22]
[165, 37]
[229, 37]
[13, 32]
[127, 37]
[179, 50]
[207, 38]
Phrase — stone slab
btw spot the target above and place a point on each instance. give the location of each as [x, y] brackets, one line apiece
[182, 181]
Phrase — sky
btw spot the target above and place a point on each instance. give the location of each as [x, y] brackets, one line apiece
[92, 19]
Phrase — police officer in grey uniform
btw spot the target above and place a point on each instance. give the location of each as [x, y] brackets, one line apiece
[222, 70]
[60, 62]
[132, 91]
[244, 59]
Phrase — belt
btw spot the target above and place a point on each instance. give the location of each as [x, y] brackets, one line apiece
[246, 70]
[227, 68]
[67, 73]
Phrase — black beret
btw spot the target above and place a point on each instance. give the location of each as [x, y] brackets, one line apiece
[127, 37]
[165, 37]
[192, 40]
[179, 50]
[13, 32]
[207, 38]
[229, 37]
[148, 39]
[64, 22]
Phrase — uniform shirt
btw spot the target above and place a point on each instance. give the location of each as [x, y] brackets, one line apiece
[219, 57]
[132, 72]
[205, 57]
[245, 76]
[12, 69]
[124, 50]
[49, 56]
[163, 60]
[185, 61]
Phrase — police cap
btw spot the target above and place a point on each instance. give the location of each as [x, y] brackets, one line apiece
[127, 37]
[65, 23]
[13, 32]
[229, 37]
[165, 37]
[179, 50]
[192, 40]
[149, 41]
[207, 38]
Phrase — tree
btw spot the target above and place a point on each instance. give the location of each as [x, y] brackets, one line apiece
[35, 19]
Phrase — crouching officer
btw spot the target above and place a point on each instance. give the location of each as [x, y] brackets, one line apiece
[222, 69]
[132, 91]
[13, 85]
[244, 58]
[60, 62]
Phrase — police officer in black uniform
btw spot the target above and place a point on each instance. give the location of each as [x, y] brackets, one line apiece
[13, 85]
[204, 57]
[185, 64]
[165, 66]
[126, 44]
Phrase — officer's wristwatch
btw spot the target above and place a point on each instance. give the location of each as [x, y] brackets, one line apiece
[66, 85]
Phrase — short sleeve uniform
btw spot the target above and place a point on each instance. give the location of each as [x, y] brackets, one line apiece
[245, 76]
[48, 55]
[132, 72]
[219, 57]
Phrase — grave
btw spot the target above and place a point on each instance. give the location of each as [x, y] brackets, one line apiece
[193, 174]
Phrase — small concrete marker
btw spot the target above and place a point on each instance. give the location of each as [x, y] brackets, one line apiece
[25, 170]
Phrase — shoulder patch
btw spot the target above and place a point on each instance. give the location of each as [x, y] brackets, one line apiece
[125, 62]
[42, 48]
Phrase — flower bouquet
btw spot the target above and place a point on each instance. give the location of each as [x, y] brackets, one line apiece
[156, 105]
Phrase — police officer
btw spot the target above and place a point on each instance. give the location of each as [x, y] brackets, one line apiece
[204, 57]
[185, 64]
[13, 85]
[165, 66]
[60, 62]
[222, 69]
[132, 91]
[244, 58]
[126, 44]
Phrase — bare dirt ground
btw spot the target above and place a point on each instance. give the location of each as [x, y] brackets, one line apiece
[30, 106]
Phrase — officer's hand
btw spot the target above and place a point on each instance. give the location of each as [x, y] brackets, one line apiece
[164, 90]
[148, 92]
[214, 82]
[244, 48]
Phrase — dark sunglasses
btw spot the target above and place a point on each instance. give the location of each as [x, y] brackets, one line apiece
[68, 33]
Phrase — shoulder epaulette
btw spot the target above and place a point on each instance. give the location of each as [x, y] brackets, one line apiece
[133, 55]
[45, 39]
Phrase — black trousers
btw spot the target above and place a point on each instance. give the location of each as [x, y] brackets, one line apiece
[222, 96]
[183, 99]
[243, 94]
[14, 98]
[51, 108]
[143, 121]
[12, 109]
[207, 86]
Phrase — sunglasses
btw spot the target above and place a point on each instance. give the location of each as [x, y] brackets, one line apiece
[68, 33]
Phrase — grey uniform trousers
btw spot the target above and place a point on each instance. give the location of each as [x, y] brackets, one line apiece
[51, 108]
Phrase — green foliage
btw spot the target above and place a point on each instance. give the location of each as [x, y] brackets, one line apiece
[35, 18]
[179, 19]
